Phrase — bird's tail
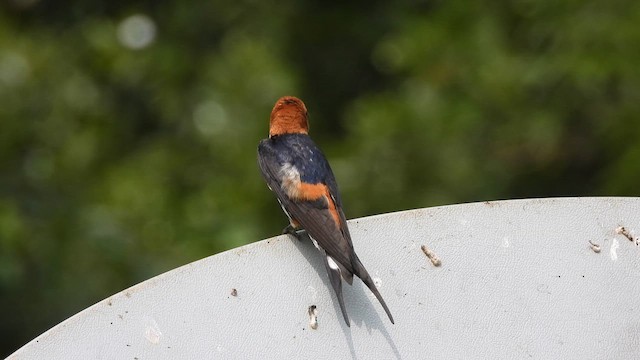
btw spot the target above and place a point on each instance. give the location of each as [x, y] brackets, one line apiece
[336, 282]
[362, 273]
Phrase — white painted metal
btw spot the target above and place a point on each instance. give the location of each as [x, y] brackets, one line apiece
[519, 279]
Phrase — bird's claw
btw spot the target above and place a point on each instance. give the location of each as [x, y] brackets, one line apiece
[296, 232]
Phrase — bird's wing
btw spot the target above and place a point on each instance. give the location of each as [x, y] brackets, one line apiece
[313, 215]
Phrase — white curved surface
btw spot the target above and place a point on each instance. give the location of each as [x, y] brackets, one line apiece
[518, 280]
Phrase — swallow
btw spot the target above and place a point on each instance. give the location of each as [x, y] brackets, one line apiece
[296, 170]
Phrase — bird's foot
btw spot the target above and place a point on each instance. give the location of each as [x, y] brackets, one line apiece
[296, 232]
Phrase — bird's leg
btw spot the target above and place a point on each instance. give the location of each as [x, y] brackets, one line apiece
[296, 232]
[289, 230]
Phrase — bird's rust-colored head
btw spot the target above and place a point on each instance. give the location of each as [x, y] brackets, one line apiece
[289, 116]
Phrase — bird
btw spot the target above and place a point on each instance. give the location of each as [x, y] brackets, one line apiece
[297, 171]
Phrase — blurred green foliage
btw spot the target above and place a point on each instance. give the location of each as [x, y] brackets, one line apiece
[128, 130]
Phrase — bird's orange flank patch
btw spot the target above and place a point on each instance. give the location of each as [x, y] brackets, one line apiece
[298, 190]
[311, 192]
[333, 209]
[317, 191]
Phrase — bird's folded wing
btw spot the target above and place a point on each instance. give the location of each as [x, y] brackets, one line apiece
[314, 216]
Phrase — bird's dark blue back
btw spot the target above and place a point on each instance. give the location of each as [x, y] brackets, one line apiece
[300, 151]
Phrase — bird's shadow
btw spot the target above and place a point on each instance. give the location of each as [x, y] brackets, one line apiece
[355, 293]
